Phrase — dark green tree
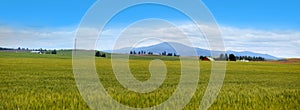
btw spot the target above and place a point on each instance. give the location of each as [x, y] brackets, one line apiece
[164, 53]
[201, 57]
[232, 57]
[97, 54]
[103, 55]
[54, 52]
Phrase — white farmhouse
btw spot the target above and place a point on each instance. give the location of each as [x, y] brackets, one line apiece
[37, 52]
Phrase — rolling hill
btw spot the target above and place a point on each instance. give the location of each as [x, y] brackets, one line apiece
[184, 50]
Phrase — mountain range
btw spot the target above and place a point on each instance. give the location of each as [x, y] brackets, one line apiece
[184, 50]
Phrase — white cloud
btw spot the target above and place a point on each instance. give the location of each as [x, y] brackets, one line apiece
[30, 38]
[280, 43]
[145, 33]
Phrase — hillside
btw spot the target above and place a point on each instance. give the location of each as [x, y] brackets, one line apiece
[185, 50]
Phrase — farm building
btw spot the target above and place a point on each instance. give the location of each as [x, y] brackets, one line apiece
[243, 60]
[37, 52]
[207, 59]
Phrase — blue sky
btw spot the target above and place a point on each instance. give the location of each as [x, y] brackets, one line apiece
[43, 13]
[265, 14]
[273, 24]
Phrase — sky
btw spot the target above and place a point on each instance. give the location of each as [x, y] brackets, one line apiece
[263, 26]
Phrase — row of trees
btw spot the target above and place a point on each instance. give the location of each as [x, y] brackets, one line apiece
[27, 49]
[151, 53]
[100, 54]
[168, 54]
[1, 48]
[50, 52]
[141, 53]
[23, 49]
[253, 58]
[232, 57]
[40, 50]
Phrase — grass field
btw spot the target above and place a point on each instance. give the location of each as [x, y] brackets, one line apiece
[32, 81]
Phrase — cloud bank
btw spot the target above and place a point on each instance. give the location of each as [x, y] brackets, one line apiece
[36, 38]
[280, 43]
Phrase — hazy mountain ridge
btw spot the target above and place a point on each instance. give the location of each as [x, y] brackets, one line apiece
[185, 50]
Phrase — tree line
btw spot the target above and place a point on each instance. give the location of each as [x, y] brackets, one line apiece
[142, 52]
[100, 54]
[41, 50]
[232, 57]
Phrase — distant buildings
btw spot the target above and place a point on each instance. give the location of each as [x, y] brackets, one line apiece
[37, 52]
[205, 58]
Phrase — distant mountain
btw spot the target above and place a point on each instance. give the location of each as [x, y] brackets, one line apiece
[185, 50]
[168, 47]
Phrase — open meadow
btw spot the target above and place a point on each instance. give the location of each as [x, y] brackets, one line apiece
[34, 81]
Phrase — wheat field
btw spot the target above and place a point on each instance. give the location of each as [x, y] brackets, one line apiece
[33, 81]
